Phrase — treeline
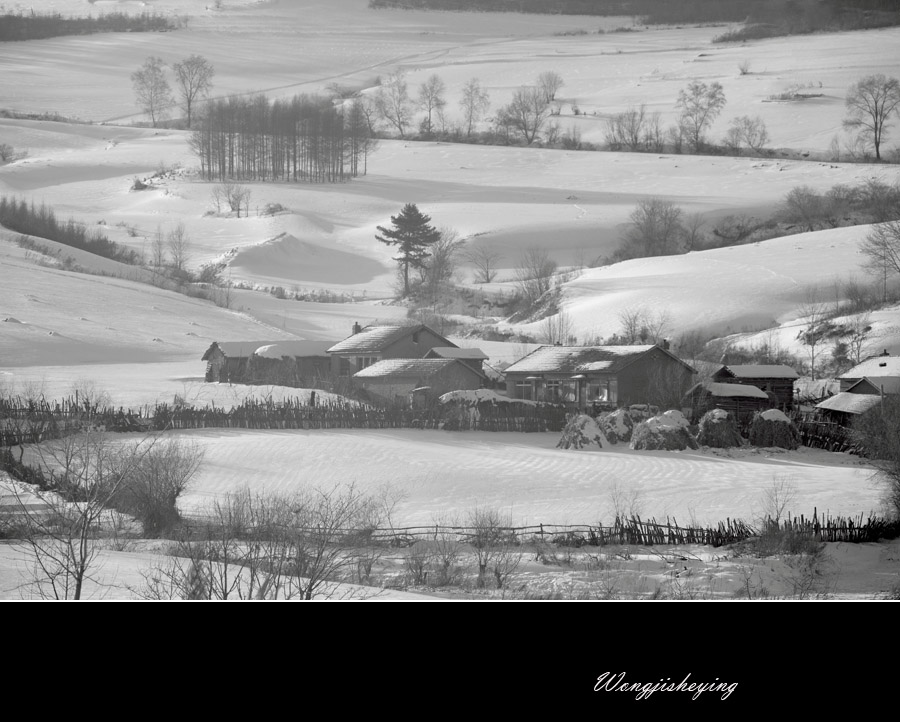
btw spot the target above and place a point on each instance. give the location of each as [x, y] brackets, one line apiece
[22, 217]
[305, 138]
[36, 26]
[765, 18]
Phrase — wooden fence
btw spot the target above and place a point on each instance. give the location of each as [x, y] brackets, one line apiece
[827, 435]
[839, 529]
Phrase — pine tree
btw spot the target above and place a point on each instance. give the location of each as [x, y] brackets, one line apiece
[412, 233]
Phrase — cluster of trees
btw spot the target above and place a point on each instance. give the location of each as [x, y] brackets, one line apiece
[41, 221]
[305, 138]
[193, 79]
[522, 119]
[35, 26]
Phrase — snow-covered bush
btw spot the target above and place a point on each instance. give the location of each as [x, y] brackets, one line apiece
[774, 428]
[668, 431]
[582, 430]
[719, 430]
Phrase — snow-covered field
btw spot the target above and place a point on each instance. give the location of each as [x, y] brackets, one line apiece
[141, 344]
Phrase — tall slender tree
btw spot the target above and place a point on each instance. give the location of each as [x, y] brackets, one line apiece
[194, 75]
[870, 104]
[152, 90]
[412, 233]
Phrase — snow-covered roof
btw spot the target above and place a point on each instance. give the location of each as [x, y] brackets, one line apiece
[878, 366]
[850, 403]
[577, 359]
[733, 390]
[461, 353]
[760, 371]
[417, 367]
[373, 339]
[293, 348]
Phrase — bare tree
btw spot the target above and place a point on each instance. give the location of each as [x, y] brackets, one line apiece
[813, 313]
[83, 473]
[527, 112]
[859, 329]
[628, 130]
[694, 225]
[158, 249]
[441, 264]
[870, 104]
[194, 76]
[556, 329]
[632, 320]
[534, 274]
[474, 103]
[393, 104]
[655, 228]
[804, 206]
[179, 247]
[699, 105]
[881, 249]
[152, 90]
[485, 261]
[233, 195]
[431, 99]
[494, 542]
[550, 83]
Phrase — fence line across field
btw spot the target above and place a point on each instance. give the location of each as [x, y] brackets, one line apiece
[624, 531]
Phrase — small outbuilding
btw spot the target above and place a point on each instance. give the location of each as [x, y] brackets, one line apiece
[776, 380]
[742, 400]
[395, 380]
[229, 360]
[299, 364]
[883, 366]
[369, 345]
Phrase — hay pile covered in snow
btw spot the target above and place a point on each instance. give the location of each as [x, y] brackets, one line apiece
[774, 428]
[582, 430]
[617, 426]
[668, 431]
[718, 429]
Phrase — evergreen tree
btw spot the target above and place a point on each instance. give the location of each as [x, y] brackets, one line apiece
[412, 233]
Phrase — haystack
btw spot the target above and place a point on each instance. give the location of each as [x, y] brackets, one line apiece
[617, 425]
[582, 430]
[718, 429]
[668, 431]
[774, 428]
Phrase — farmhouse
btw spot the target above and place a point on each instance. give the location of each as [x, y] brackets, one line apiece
[473, 357]
[742, 400]
[775, 380]
[586, 375]
[395, 380]
[369, 345]
[880, 367]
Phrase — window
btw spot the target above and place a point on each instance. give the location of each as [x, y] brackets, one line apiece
[365, 361]
[524, 390]
[415, 337]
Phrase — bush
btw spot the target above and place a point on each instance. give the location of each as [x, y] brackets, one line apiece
[878, 433]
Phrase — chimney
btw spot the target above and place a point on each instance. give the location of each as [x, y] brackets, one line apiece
[665, 344]
[356, 328]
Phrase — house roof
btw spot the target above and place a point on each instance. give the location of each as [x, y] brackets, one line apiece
[297, 349]
[236, 349]
[731, 391]
[879, 366]
[583, 359]
[467, 354]
[758, 371]
[408, 367]
[373, 339]
[875, 384]
[850, 403]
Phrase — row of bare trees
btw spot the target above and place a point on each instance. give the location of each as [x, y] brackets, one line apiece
[305, 138]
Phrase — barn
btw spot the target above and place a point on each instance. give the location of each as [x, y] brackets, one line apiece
[588, 376]
[742, 400]
[301, 364]
[776, 380]
[395, 380]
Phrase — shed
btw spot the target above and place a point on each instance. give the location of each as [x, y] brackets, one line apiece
[876, 385]
[776, 380]
[395, 379]
[843, 406]
[742, 400]
[291, 363]
[229, 360]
